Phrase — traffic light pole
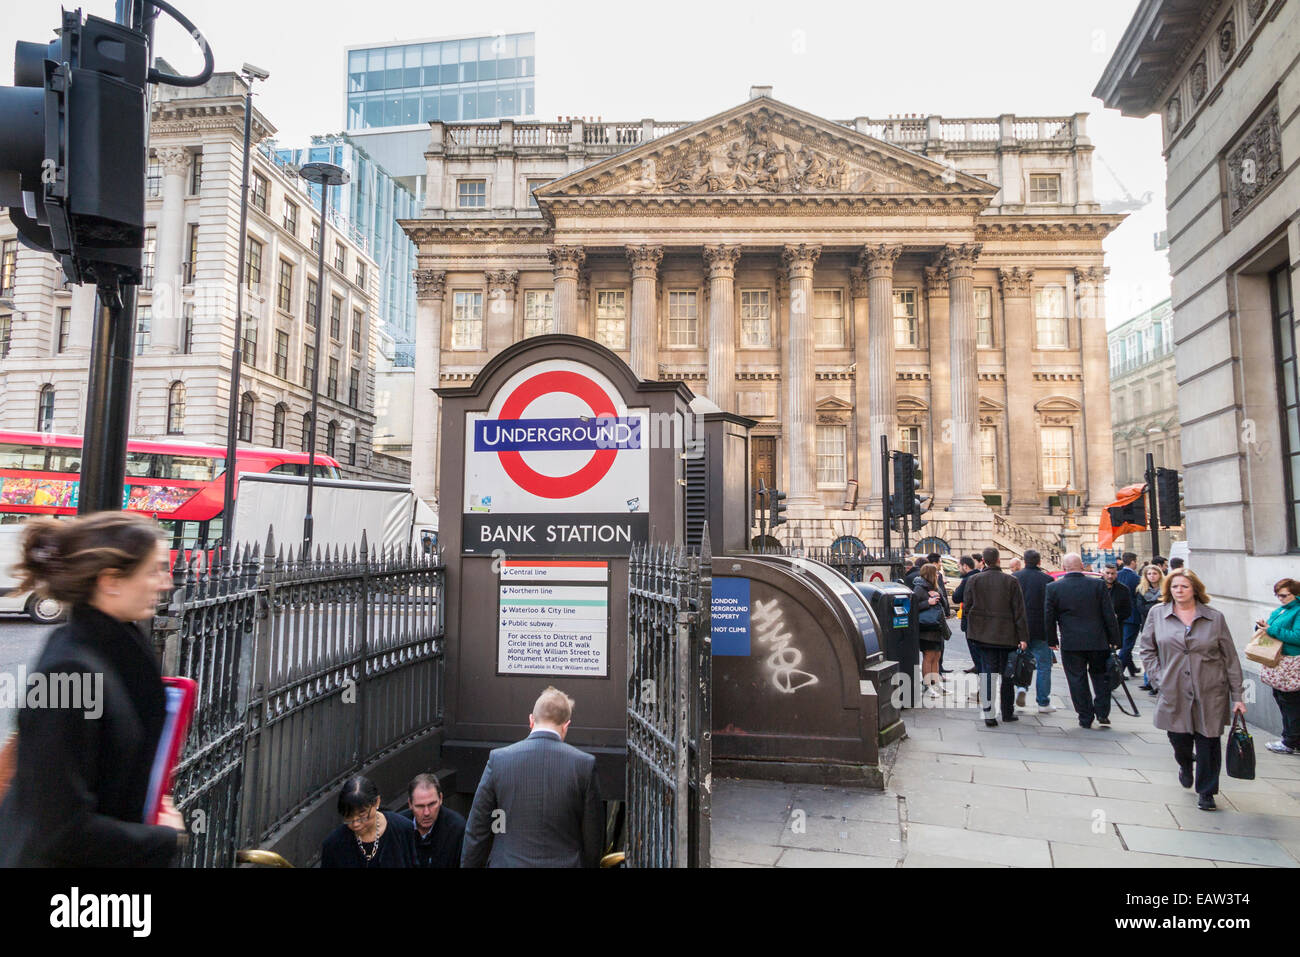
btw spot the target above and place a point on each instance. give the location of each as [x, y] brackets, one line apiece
[884, 486]
[1153, 512]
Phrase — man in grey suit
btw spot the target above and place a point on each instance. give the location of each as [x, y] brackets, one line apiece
[537, 804]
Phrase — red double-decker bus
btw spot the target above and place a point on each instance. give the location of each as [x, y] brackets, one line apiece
[182, 484]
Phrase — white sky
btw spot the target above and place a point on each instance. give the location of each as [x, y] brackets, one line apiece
[676, 60]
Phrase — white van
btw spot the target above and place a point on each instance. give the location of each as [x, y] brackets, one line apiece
[42, 610]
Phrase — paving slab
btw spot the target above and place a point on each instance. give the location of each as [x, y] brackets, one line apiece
[798, 857]
[1034, 780]
[1256, 803]
[1139, 762]
[1100, 858]
[850, 837]
[925, 808]
[1071, 743]
[1113, 810]
[715, 861]
[963, 746]
[978, 846]
[1043, 755]
[984, 761]
[1234, 822]
[1069, 830]
[843, 804]
[920, 771]
[1086, 770]
[744, 852]
[1166, 791]
[1212, 847]
[938, 860]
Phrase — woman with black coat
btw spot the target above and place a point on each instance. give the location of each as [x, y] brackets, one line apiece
[927, 593]
[81, 783]
[368, 837]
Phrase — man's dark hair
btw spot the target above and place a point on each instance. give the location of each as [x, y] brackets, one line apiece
[991, 556]
[1158, 559]
[933, 558]
[920, 560]
[967, 562]
[1176, 563]
[1111, 565]
[976, 559]
[423, 781]
[358, 794]
[1128, 558]
[1032, 558]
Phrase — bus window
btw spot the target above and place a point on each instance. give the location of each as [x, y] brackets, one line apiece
[187, 468]
[299, 468]
[64, 460]
[139, 464]
[29, 457]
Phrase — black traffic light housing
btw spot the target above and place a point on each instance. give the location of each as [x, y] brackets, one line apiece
[73, 156]
[920, 503]
[905, 484]
[777, 498]
[1168, 498]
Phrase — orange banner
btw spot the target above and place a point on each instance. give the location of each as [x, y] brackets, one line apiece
[1108, 532]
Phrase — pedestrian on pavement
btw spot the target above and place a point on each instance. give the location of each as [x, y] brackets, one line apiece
[368, 837]
[968, 568]
[995, 607]
[1033, 585]
[537, 803]
[1081, 609]
[1284, 625]
[1121, 598]
[82, 777]
[927, 593]
[909, 579]
[1189, 654]
[1162, 562]
[1017, 564]
[1176, 563]
[439, 831]
[1148, 595]
[935, 559]
[1130, 626]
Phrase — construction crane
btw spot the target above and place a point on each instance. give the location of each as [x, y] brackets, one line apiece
[1128, 204]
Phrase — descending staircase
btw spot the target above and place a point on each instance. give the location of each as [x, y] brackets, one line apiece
[1015, 539]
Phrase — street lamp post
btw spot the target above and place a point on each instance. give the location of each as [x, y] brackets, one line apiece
[323, 175]
[250, 73]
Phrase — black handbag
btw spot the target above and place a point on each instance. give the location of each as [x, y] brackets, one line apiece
[1240, 759]
[931, 618]
[1020, 668]
[1115, 678]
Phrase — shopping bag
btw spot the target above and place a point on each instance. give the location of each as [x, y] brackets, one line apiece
[1264, 650]
[1240, 759]
[1285, 677]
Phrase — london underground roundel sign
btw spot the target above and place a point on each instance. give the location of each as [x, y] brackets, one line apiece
[557, 464]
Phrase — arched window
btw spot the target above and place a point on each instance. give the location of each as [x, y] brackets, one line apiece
[927, 546]
[45, 410]
[176, 409]
[306, 432]
[331, 437]
[246, 407]
[277, 425]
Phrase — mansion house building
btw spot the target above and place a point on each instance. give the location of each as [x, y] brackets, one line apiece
[935, 281]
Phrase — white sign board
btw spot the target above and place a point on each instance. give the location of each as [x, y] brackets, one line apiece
[552, 629]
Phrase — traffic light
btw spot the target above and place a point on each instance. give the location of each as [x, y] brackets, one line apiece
[777, 498]
[1133, 513]
[1168, 497]
[905, 484]
[72, 158]
[920, 503]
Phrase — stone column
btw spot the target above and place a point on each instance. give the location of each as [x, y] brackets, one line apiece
[1089, 290]
[584, 307]
[169, 252]
[567, 261]
[1018, 323]
[721, 263]
[959, 261]
[878, 268]
[939, 474]
[499, 332]
[799, 373]
[430, 288]
[643, 330]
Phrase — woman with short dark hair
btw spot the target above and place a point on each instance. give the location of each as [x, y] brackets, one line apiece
[926, 594]
[368, 837]
[1284, 625]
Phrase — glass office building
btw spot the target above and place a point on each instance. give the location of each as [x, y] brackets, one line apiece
[478, 78]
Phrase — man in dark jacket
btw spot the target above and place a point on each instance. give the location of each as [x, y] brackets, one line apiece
[1121, 598]
[909, 579]
[537, 804]
[997, 623]
[1128, 577]
[1081, 608]
[969, 567]
[439, 831]
[1033, 584]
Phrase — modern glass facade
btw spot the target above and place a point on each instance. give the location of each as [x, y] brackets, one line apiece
[480, 78]
[372, 202]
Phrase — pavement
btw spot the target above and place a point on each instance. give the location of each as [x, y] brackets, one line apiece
[1040, 792]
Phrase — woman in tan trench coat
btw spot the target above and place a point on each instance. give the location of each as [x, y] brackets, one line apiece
[1188, 653]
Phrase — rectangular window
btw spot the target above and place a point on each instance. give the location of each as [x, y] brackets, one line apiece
[6, 332]
[361, 272]
[148, 256]
[683, 317]
[315, 237]
[471, 193]
[284, 290]
[611, 318]
[336, 318]
[340, 257]
[988, 456]
[153, 179]
[313, 301]
[358, 322]
[308, 365]
[332, 380]
[1058, 465]
[352, 453]
[909, 440]
[1288, 390]
[253, 264]
[1049, 317]
[196, 174]
[539, 313]
[354, 388]
[250, 340]
[467, 320]
[831, 455]
[191, 253]
[905, 325]
[143, 326]
[8, 266]
[1045, 188]
[291, 218]
[282, 354]
[187, 328]
[984, 317]
[756, 318]
[828, 317]
[531, 185]
[260, 186]
[65, 329]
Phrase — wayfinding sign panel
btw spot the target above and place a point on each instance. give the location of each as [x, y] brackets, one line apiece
[545, 628]
[557, 465]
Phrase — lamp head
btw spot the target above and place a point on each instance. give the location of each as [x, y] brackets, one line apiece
[254, 72]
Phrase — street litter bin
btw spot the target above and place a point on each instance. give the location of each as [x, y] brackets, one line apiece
[899, 637]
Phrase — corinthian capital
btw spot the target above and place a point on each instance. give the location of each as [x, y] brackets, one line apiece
[505, 280]
[645, 261]
[936, 282]
[878, 260]
[800, 258]
[1016, 281]
[430, 284]
[858, 283]
[1088, 276]
[173, 159]
[959, 259]
[567, 260]
[721, 260]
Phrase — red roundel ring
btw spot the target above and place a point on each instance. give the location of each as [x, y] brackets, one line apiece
[558, 486]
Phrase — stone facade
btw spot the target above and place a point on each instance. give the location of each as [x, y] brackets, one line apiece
[1223, 77]
[185, 329]
[936, 281]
